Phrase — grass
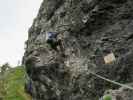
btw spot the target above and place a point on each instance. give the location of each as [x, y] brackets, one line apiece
[14, 84]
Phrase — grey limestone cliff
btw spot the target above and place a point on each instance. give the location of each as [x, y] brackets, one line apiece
[89, 30]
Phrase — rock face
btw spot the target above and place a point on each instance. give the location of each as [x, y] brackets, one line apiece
[89, 30]
[121, 94]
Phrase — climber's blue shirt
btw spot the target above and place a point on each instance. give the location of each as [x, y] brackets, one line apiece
[51, 35]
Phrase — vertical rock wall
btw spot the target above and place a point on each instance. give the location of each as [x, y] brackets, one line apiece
[89, 30]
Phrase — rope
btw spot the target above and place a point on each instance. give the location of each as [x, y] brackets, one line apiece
[111, 81]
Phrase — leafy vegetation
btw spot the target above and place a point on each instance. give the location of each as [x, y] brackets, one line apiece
[12, 84]
[107, 97]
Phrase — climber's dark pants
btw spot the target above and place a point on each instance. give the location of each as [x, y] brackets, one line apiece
[54, 43]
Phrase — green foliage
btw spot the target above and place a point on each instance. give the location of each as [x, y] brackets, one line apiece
[14, 84]
[4, 67]
[107, 97]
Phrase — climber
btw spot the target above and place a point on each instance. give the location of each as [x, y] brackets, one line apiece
[51, 39]
[51, 35]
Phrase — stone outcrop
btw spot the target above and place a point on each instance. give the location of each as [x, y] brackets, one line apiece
[120, 94]
[89, 30]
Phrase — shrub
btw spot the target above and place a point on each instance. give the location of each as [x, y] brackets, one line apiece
[107, 97]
